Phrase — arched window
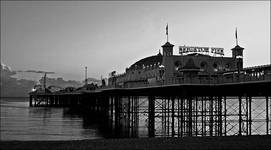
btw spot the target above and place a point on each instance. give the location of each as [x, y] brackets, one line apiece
[203, 66]
[177, 65]
[215, 65]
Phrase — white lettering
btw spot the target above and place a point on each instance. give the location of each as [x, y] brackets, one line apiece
[191, 49]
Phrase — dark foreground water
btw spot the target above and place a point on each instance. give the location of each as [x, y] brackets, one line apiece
[21, 122]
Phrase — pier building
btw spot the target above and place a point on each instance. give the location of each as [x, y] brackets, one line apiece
[193, 64]
[199, 92]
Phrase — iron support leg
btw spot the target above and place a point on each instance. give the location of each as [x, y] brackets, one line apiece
[151, 116]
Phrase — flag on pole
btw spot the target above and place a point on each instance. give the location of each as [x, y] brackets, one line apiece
[236, 36]
[167, 29]
[236, 33]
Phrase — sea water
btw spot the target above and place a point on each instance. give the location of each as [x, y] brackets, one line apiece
[21, 122]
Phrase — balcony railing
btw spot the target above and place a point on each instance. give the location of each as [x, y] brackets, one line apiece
[233, 78]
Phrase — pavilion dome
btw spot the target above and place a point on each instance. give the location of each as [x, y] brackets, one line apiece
[148, 61]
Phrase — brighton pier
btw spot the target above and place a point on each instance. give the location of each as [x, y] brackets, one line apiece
[166, 95]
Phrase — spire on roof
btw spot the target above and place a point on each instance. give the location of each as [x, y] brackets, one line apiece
[159, 52]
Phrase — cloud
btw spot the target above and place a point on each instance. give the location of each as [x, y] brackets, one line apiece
[6, 70]
[60, 82]
[35, 71]
[12, 87]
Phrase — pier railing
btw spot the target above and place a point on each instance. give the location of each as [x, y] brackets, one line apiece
[232, 78]
[218, 79]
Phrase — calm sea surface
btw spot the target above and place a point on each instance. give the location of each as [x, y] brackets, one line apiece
[21, 122]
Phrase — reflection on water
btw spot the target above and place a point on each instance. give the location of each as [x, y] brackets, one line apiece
[21, 122]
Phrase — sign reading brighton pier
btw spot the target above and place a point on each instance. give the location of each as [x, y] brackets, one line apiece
[193, 49]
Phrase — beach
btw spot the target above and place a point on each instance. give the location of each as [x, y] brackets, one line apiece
[186, 143]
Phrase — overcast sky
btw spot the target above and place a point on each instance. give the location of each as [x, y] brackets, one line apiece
[65, 36]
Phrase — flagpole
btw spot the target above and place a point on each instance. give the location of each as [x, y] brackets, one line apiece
[236, 36]
[167, 32]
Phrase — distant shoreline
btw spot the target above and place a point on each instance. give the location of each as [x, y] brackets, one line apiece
[15, 99]
[187, 143]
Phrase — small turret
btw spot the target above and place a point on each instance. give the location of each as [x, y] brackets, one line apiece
[167, 49]
[237, 52]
